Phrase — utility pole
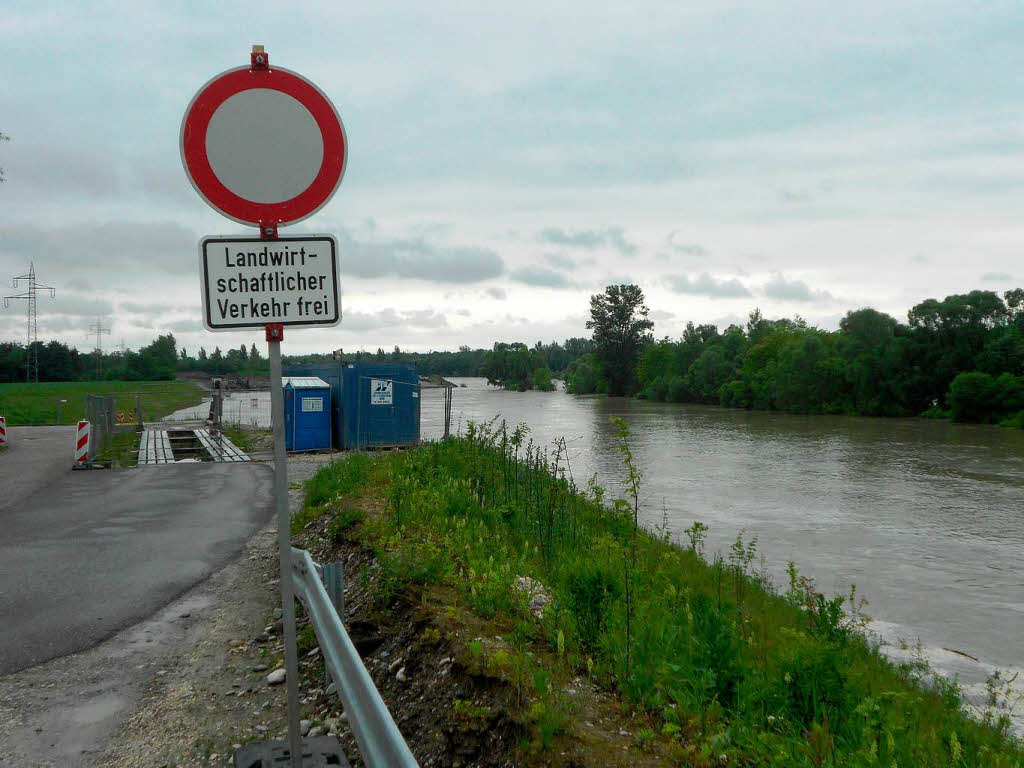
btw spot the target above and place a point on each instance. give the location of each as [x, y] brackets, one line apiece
[98, 329]
[31, 352]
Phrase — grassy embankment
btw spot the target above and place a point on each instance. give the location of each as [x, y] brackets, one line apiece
[715, 664]
[36, 404]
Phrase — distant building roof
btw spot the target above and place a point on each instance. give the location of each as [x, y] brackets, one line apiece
[304, 382]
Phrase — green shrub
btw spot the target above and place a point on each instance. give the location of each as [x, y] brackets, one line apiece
[341, 521]
[972, 397]
[591, 588]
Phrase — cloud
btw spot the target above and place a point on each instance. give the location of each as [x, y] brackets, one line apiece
[560, 260]
[688, 248]
[706, 285]
[145, 309]
[418, 259]
[612, 237]
[497, 293]
[425, 319]
[74, 306]
[792, 290]
[661, 315]
[997, 277]
[540, 277]
[112, 252]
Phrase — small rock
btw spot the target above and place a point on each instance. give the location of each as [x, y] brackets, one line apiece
[260, 668]
[184, 615]
[385, 654]
[304, 726]
[623, 733]
[394, 665]
[445, 660]
[161, 672]
[331, 723]
[278, 613]
[236, 643]
[332, 689]
[400, 677]
[314, 652]
[276, 677]
[261, 728]
[236, 746]
[314, 732]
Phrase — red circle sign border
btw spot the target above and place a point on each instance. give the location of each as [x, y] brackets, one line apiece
[197, 165]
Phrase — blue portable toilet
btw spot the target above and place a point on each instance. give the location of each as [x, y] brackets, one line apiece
[330, 373]
[307, 413]
[381, 406]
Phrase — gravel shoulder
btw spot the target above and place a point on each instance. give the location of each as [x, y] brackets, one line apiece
[162, 692]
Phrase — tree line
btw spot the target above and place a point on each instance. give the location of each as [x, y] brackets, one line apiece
[962, 356]
[162, 359]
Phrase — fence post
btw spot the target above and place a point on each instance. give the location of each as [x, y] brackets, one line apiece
[138, 410]
[334, 582]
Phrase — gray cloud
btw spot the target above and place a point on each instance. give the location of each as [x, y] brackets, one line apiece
[497, 293]
[113, 252]
[792, 290]
[687, 249]
[416, 258]
[612, 237]
[74, 306]
[425, 319]
[560, 260]
[541, 277]
[997, 277]
[706, 285]
[661, 315]
[145, 309]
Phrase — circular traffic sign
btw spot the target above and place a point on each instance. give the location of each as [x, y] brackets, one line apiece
[263, 146]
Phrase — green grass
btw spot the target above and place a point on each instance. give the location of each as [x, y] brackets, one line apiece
[728, 669]
[36, 404]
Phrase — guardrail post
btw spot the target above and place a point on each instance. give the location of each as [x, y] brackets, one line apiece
[334, 582]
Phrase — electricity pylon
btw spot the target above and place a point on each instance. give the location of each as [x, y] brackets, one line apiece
[31, 351]
[99, 330]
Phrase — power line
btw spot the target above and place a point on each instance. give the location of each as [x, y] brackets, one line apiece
[99, 330]
[32, 350]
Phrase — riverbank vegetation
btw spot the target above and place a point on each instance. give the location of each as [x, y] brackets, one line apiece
[961, 357]
[713, 663]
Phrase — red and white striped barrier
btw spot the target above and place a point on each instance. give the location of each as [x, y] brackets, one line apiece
[82, 443]
[3, 430]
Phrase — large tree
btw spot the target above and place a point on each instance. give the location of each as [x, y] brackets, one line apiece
[618, 318]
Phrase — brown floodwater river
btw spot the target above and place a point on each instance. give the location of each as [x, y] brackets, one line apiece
[925, 517]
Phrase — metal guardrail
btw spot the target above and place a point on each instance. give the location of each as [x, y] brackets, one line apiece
[381, 745]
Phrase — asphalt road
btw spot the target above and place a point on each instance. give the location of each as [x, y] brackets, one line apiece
[85, 554]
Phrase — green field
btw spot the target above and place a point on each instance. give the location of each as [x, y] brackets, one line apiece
[37, 404]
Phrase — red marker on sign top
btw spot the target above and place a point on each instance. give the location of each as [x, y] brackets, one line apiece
[263, 145]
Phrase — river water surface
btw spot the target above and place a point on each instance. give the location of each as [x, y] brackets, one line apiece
[925, 517]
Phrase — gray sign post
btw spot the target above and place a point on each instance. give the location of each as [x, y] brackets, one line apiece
[265, 147]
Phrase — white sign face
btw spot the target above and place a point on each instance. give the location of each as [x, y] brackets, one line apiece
[249, 282]
[311, 404]
[381, 392]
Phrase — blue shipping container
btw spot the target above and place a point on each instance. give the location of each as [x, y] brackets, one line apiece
[330, 373]
[381, 405]
[307, 413]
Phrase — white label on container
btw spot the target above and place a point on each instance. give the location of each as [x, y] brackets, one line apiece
[381, 392]
[311, 404]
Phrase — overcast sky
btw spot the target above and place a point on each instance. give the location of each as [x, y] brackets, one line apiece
[801, 157]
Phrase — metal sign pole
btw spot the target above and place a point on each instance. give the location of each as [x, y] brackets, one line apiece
[284, 540]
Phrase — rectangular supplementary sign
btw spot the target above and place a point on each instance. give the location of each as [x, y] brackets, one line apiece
[381, 392]
[249, 283]
[312, 404]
